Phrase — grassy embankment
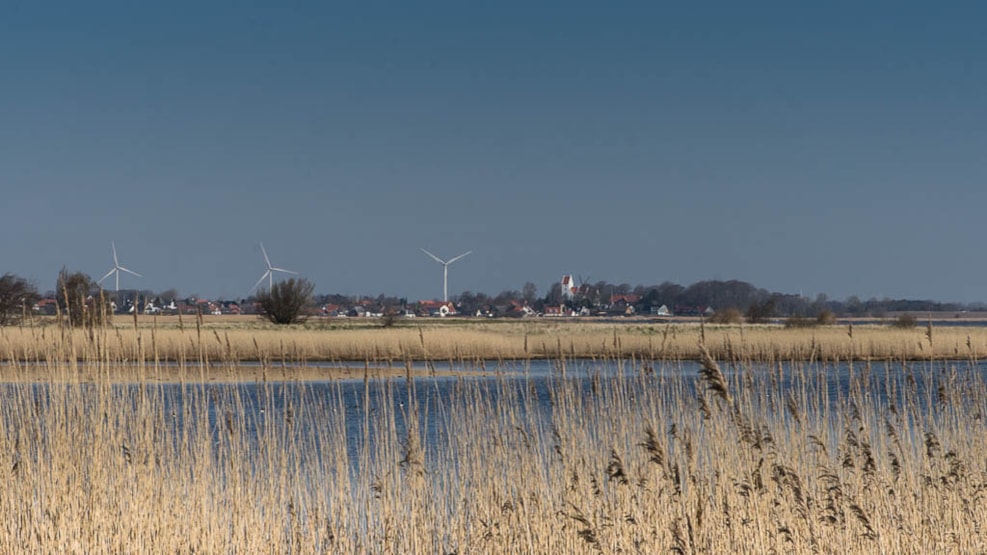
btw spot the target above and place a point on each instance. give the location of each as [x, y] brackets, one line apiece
[761, 460]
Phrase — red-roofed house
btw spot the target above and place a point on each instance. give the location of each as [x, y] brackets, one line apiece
[437, 308]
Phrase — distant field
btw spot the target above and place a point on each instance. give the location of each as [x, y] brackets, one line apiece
[247, 338]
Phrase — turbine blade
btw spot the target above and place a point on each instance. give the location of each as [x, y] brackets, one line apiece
[114, 245]
[131, 272]
[261, 280]
[436, 258]
[108, 274]
[283, 270]
[451, 260]
[266, 259]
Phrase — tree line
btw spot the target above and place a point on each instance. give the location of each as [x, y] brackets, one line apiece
[82, 302]
[719, 295]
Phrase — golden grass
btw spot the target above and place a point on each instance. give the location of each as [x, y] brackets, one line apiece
[465, 340]
[663, 457]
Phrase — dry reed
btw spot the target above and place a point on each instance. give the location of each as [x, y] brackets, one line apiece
[653, 456]
[471, 340]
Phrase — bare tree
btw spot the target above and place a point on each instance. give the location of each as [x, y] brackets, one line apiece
[81, 300]
[759, 313]
[17, 297]
[529, 291]
[286, 300]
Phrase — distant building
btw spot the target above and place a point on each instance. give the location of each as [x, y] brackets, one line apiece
[624, 299]
[561, 310]
[661, 311]
[48, 307]
[691, 310]
[569, 288]
[437, 308]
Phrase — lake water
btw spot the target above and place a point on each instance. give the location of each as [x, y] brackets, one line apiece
[350, 404]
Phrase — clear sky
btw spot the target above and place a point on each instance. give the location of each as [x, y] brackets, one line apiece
[826, 147]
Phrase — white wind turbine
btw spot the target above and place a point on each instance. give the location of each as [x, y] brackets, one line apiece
[445, 271]
[269, 274]
[117, 268]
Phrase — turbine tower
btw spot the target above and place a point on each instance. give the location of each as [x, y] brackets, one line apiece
[269, 274]
[445, 271]
[117, 268]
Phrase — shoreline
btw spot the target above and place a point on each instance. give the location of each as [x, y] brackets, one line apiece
[221, 374]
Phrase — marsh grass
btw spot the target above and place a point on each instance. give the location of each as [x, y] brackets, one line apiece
[655, 457]
[474, 341]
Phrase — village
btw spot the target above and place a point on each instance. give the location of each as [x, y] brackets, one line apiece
[566, 298]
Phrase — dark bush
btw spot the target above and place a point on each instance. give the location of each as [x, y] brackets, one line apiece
[285, 302]
[389, 319]
[904, 321]
[17, 298]
[81, 301]
[759, 313]
[825, 317]
[801, 322]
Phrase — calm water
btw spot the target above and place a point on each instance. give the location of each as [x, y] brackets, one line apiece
[308, 405]
[313, 403]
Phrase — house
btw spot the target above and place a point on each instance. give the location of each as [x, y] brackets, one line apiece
[559, 310]
[553, 310]
[333, 310]
[437, 308]
[625, 299]
[202, 306]
[187, 306]
[515, 309]
[661, 310]
[623, 305]
[687, 310]
[48, 307]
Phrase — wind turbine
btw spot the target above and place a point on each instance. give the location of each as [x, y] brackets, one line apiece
[445, 271]
[269, 274]
[117, 268]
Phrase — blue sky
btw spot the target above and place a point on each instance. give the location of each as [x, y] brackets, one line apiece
[835, 148]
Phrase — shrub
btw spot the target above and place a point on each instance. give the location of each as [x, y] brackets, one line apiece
[825, 317]
[904, 321]
[285, 302]
[17, 295]
[726, 316]
[801, 322]
[389, 319]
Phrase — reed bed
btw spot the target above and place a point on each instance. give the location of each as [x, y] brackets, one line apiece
[637, 455]
[471, 340]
